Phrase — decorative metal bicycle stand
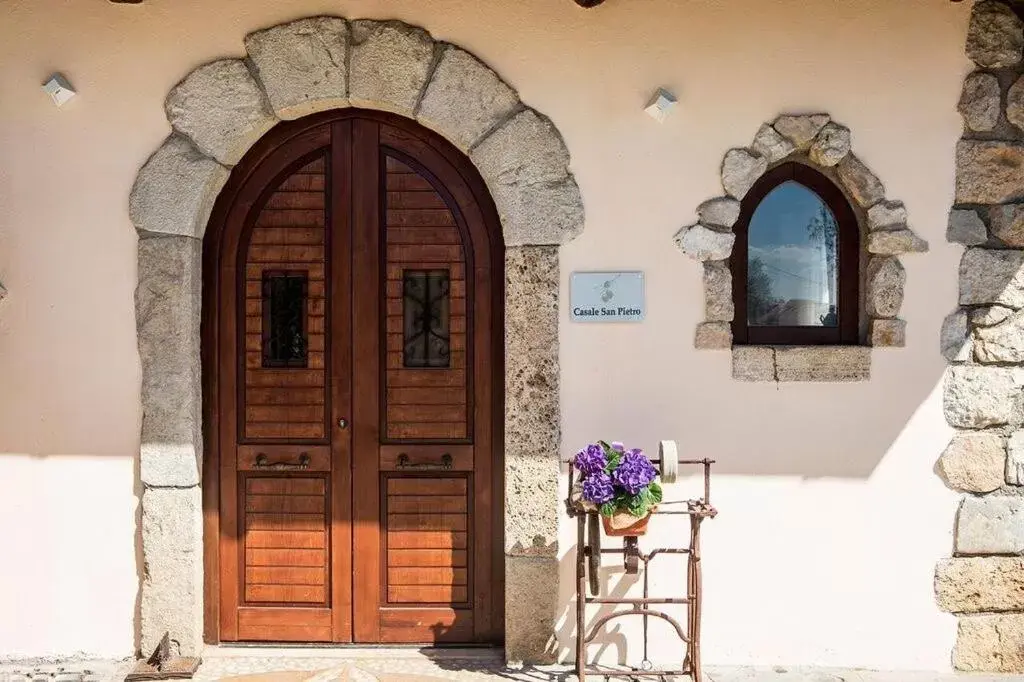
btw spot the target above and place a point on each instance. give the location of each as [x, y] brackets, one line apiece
[588, 562]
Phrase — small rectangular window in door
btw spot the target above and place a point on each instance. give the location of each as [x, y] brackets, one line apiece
[426, 318]
[284, 319]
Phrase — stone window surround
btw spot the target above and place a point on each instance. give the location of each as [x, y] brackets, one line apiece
[217, 112]
[981, 583]
[821, 143]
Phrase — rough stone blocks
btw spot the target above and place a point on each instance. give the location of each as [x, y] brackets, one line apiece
[465, 98]
[978, 584]
[301, 65]
[222, 108]
[990, 525]
[172, 578]
[531, 598]
[175, 190]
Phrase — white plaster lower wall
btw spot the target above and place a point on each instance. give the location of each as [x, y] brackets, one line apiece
[832, 518]
[68, 577]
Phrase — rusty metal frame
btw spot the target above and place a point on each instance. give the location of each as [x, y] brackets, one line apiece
[588, 547]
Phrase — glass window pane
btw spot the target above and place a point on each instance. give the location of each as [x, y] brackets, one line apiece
[792, 274]
[284, 316]
[426, 318]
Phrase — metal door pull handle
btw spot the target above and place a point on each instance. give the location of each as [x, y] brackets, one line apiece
[263, 463]
[444, 464]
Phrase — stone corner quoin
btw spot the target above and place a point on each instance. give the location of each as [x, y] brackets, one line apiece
[817, 141]
[983, 340]
[217, 112]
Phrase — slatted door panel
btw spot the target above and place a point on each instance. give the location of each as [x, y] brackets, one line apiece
[287, 536]
[427, 523]
[428, 559]
[285, 396]
[427, 386]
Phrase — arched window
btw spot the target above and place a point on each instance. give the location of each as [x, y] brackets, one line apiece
[796, 264]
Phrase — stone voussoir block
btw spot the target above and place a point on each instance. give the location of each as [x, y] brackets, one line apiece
[770, 144]
[977, 397]
[831, 145]
[801, 129]
[301, 65]
[389, 62]
[823, 363]
[740, 170]
[526, 166]
[465, 98]
[979, 584]
[175, 190]
[221, 108]
[990, 525]
[863, 185]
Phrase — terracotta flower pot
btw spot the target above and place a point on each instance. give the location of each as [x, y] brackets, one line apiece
[621, 524]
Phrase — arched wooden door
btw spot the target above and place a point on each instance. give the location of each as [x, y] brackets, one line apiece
[353, 362]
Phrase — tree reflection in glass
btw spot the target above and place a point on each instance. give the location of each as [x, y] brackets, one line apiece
[792, 278]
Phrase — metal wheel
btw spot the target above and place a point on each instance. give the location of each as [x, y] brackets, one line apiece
[594, 558]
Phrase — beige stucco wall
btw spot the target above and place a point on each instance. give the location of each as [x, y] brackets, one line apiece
[831, 520]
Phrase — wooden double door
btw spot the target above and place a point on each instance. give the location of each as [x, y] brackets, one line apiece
[353, 355]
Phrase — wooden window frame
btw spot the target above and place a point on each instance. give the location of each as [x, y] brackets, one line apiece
[847, 258]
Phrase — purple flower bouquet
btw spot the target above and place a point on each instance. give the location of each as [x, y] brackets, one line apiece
[617, 481]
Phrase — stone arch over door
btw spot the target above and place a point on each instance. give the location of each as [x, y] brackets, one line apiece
[217, 113]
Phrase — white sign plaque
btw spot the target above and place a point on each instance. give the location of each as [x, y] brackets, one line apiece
[606, 297]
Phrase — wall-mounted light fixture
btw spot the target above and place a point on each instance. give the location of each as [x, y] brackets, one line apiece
[660, 105]
[58, 87]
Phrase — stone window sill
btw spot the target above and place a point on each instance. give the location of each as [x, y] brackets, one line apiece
[801, 363]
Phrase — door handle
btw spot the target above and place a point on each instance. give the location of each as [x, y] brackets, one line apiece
[444, 464]
[263, 462]
[342, 423]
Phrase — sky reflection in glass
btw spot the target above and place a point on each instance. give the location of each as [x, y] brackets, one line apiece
[791, 260]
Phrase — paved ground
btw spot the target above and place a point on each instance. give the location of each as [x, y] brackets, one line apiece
[411, 665]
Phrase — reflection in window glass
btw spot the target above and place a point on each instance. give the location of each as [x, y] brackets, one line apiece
[791, 260]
